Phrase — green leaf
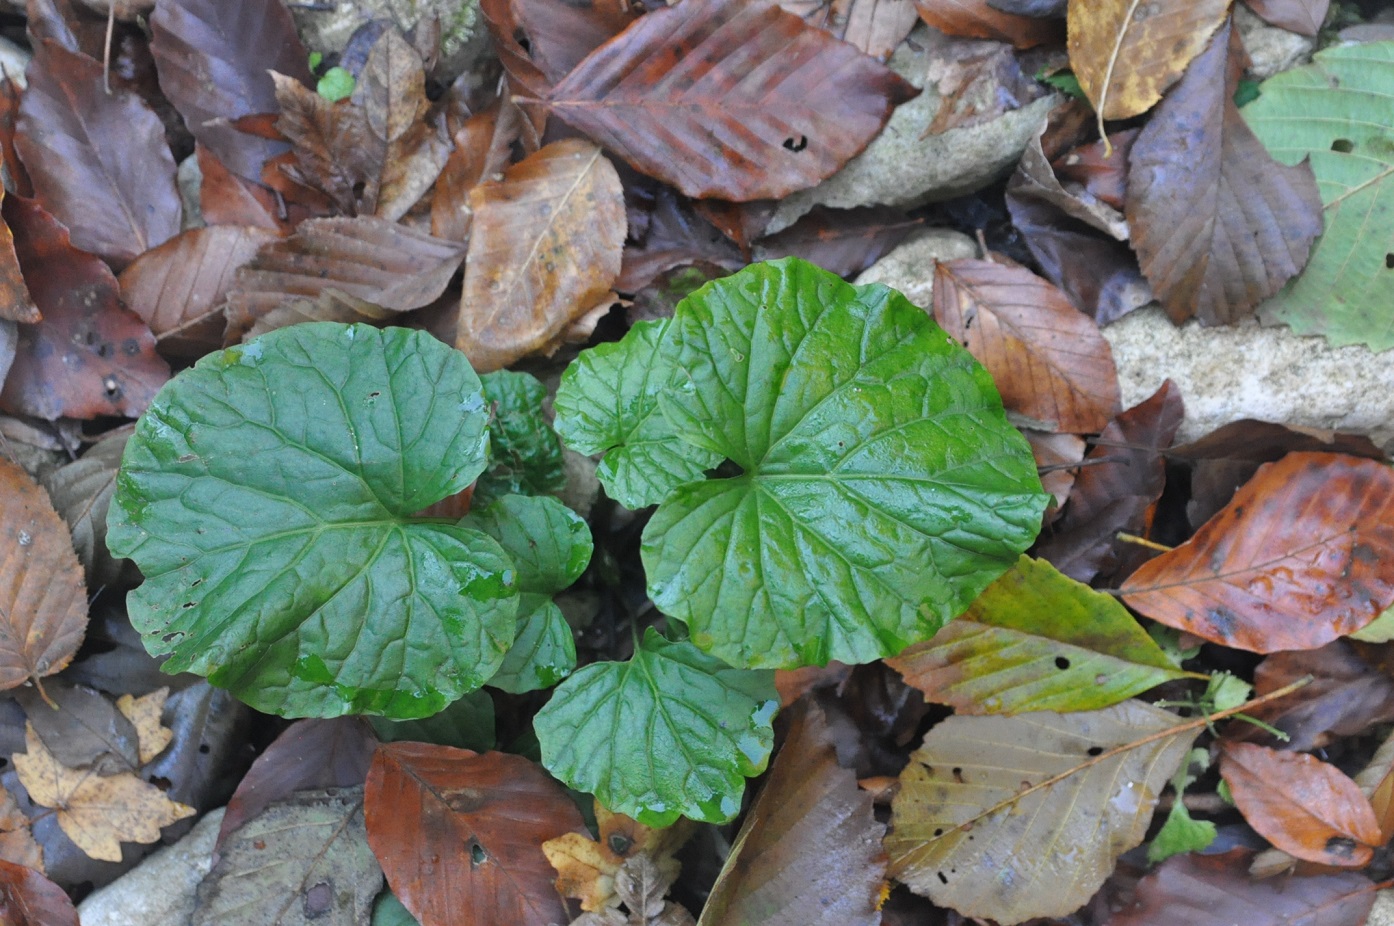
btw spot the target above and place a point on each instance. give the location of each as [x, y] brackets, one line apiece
[608, 403]
[1338, 111]
[1181, 833]
[524, 452]
[267, 496]
[388, 911]
[880, 487]
[1036, 640]
[550, 546]
[466, 724]
[1225, 691]
[1379, 630]
[672, 732]
[336, 84]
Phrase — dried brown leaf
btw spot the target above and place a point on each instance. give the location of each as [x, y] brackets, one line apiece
[877, 27]
[329, 306]
[15, 302]
[81, 727]
[81, 492]
[17, 844]
[1301, 16]
[27, 898]
[979, 20]
[144, 713]
[482, 150]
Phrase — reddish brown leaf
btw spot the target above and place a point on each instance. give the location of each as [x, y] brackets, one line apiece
[17, 844]
[326, 137]
[977, 82]
[1056, 455]
[482, 149]
[1049, 361]
[369, 258]
[1218, 225]
[10, 93]
[15, 302]
[215, 60]
[525, 78]
[1306, 807]
[27, 898]
[561, 33]
[98, 161]
[1216, 890]
[877, 27]
[1301, 16]
[544, 250]
[90, 356]
[1296, 559]
[1102, 174]
[810, 846]
[178, 288]
[675, 236]
[1122, 478]
[43, 599]
[308, 755]
[226, 199]
[677, 97]
[459, 834]
[843, 241]
[978, 20]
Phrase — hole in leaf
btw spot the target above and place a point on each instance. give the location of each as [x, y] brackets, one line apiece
[1061, 662]
[1389, 261]
[1096, 750]
[203, 749]
[1340, 845]
[477, 854]
[1343, 145]
[939, 831]
[942, 879]
[727, 469]
[796, 144]
[958, 775]
[619, 844]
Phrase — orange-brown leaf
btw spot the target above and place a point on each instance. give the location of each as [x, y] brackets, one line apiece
[545, 246]
[1306, 807]
[17, 844]
[15, 303]
[1126, 54]
[1297, 558]
[43, 598]
[1048, 359]
[482, 148]
[459, 834]
[977, 19]
[27, 898]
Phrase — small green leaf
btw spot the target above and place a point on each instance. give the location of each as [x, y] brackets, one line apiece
[1181, 833]
[316, 59]
[672, 732]
[267, 497]
[1379, 630]
[1065, 81]
[880, 486]
[1037, 640]
[388, 911]
[524, 452]
[608, 403]
[550, 546]
[1226, 692]
[466, 724]
[336, 84]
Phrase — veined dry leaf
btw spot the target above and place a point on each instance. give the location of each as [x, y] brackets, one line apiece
[987, 804]
[525, 78]
[545, 247]
[329, 306]
[90, 356]
[1301, 16]
[978, 19]
[1126, 53]
[1048, 359]
[482, 149]
[227, 199]
[17, 844]
[215, 60]
[809, 852]
[1296, 559]
[841, 241]
[97, 813]
[81, 728]
[81, 492]
[27, 898]
[43, 601]
[98, 160]
[978, 82]
[1306, 807]
[15, 302]
[677, 97]
[1218, 225]
[1057, 456]
[643, 888]
[1345, 697]
[328, 138]
[587, 868]
[144, 712]
[178, 288]
[877, 27]
[365, 257]
[459, 834]
[560, 33]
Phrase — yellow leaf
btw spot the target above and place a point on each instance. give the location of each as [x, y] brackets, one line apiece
[97, 813]
[144, 714]
[586, 869]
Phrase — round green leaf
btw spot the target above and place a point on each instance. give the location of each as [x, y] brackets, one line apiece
[881, 487]
[267, 496]
[524, 453]
[672, 732]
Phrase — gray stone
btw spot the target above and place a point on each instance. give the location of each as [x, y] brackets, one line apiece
[161, 890]
[1383, 912]
[900, 168]
[13, 61]
[910, 267]
[1271, 49]
[190, 180]
[582, 488]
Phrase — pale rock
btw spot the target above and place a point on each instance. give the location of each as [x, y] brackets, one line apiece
[899, 168]
[1272, 49]
[1383, 912]
[162, 889]
[13, 61]
[910, 267]
[582, 488]
[190, 180]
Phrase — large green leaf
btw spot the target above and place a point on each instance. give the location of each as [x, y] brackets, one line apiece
[672, 732]
[880, 487]
[1036, 640]
[524, 453]
[550, 546]
[267, 497]
[1339, 112]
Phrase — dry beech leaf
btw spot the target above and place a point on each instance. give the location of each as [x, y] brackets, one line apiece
[482, 149]
[365, 257]
[226, 199]
[841, 241]
[325, 135]
[144, 713]
[545, 246]
[676, 95]
[17, 844]
[81, 727]
[329, 306]
[81, 493]
[1048, 359]
[1346, 697]
[1301, 16]
[1296, 559]
[1306, 807]
[560, 33]
[43, 600]
[1126, 54]
[15, 302]
[98, 158]
[587, 868]
[810, 847]
[980, 20]
[1056, 455]
[1218, 225]
[178, 287]
[877, 27]
[97, 813]
[27, 898]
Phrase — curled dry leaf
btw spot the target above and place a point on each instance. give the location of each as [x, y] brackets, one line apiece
[144, 713]
[329, 306]
[1346, 696]
[17, 843]
[15, 302]
[737, 133]
[483, 148]
[545, 246]
[43, 600]
[1306, 807]
[980, 20]
[1218, 225]
[1048, 359]
[29, 899]
[587, 868]
[97, 813]
[81, 492]
[1126, 54]
[1296, 559]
